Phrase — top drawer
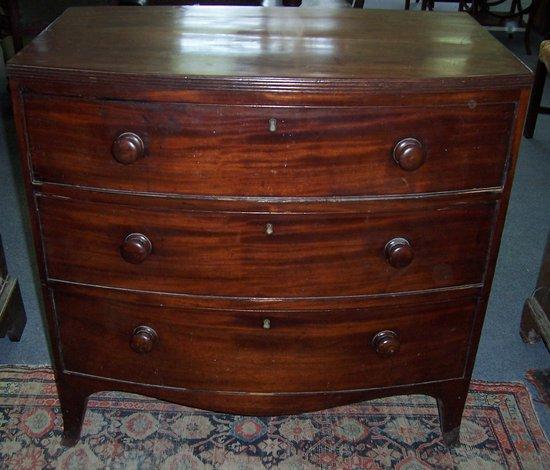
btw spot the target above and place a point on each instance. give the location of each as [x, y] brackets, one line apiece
[266, 151]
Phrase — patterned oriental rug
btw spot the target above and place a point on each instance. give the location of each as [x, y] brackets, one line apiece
[499, 430]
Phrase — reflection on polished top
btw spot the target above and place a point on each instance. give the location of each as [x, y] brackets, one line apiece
[368, 46]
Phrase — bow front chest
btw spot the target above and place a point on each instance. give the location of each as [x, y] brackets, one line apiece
[266, 211]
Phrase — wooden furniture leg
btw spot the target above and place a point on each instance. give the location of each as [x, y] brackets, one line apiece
[529, 26]
[451, 401]
[73, 401]
[536, 97]
[537, 12]
[532, 322]
[12, 311]
[12, 7]
[427, 5]
[535, 320]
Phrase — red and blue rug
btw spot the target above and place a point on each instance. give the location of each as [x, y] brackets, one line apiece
[122, 431]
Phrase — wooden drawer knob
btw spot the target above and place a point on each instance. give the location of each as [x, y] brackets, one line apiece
[135, 248]
[143, 339]
[398, 252]
[409, 154]
[386, 343]
[128, 148]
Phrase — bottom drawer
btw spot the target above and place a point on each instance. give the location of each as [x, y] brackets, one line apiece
[259, 351]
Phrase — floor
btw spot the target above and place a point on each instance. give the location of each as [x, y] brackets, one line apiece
[502, 355]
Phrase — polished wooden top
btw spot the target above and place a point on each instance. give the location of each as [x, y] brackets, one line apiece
[283, 48]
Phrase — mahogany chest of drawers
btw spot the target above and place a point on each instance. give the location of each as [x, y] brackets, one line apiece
[266, 211]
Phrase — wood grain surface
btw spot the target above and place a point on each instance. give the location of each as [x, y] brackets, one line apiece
[234, 351]
[282, 48]
[231, 254]
[230, 150]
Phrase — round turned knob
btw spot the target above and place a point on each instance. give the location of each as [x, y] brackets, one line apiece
[386, 343]
[398, 252]
[143, 339]
[127, 148]
[409, 154]
[135, 248]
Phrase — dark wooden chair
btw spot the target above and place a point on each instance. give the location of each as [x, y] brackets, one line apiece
[535, 107]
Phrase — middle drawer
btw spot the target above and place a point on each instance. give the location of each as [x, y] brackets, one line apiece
[264, 255]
